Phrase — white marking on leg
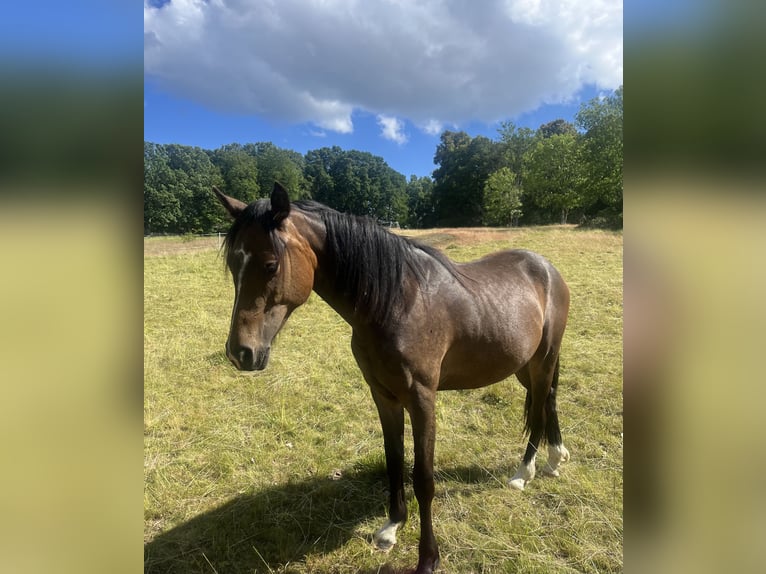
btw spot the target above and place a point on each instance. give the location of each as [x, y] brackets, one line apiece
[385, 538]
[524, 474]
[557, 453]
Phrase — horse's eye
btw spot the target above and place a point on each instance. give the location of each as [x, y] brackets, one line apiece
[271, 267]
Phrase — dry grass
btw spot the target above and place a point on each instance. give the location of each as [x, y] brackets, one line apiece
[238, 466]
[175, 245]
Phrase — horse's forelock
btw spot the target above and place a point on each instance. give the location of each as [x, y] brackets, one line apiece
[256, 213]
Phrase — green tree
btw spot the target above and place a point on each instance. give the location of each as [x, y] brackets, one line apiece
[392, 207]
[195, 175]
[558, 127]
[356, 182]
[162, 208]
[502, 198]
[602, 155]
[553, 174]
[318, 165]
[420, 202]
[177, 190]
[239, 171]
[515, 143]
[279, 164]
[464, 166]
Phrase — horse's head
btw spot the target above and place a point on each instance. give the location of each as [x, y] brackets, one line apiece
[273, 271]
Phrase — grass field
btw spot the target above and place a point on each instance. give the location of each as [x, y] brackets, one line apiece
[282, 471]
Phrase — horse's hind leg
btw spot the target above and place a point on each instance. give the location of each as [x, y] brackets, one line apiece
[526, 470]
[534, 423]
[540, 378]
[557, 452]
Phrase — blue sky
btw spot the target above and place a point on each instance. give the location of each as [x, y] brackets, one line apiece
[77, 32]
[380, 76]
[173, 119]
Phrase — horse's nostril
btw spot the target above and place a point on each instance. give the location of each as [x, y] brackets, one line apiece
[262, 359]
[245, 358]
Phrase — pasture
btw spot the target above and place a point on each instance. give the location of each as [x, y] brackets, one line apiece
[282, 471]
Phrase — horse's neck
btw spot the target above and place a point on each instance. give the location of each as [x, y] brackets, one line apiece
[313, 231]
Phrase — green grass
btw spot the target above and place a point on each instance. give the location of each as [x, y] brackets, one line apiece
[238, 466]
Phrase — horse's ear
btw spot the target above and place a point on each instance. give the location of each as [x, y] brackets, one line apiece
[280, 203]
[232, 205]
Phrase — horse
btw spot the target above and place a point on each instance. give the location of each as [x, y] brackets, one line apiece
[420, 324]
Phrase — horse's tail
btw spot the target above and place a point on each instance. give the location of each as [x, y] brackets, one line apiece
[555, 382]
[532, 420]
[552, 429]
[527, 412]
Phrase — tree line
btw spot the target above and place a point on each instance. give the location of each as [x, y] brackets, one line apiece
[559, 173]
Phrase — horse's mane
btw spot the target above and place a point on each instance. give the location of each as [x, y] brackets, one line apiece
[371, 263]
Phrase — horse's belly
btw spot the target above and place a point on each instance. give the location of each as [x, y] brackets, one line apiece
[470, 367]
[457, 381]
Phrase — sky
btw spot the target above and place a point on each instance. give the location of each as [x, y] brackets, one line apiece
[384, 76]
[74, 33]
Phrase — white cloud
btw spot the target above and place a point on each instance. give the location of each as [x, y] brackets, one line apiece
[392, 129]
[432, 127]
[433, 62]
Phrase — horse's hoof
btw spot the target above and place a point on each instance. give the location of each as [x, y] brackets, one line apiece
[382, 544]
[517, 483]
[385, 538]
[557, 455]
[548, 471]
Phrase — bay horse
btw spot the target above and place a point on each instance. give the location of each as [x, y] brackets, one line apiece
[421, 323]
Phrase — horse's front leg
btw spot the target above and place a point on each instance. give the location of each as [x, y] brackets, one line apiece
[392, 420]
[424, 435]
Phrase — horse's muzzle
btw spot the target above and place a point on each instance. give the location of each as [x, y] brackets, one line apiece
[248, 359]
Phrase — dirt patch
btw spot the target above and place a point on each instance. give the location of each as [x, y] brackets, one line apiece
[438, 239]
[441, 238]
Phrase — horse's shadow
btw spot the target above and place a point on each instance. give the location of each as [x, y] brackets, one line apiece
[279, 525]
[268, 529]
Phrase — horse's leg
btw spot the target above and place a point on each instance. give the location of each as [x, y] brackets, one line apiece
[424, 435]
[540, 378]
[391, 415]
[392, 420]
[557, 452]
[533, 377]
[526, 470]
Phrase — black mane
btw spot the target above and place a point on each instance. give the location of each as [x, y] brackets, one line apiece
[371, 263]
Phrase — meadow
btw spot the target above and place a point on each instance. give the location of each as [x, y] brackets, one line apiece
[282, 471]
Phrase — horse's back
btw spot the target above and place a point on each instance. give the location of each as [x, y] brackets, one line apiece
[506, 280]
[518, 275]
[511, 265]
